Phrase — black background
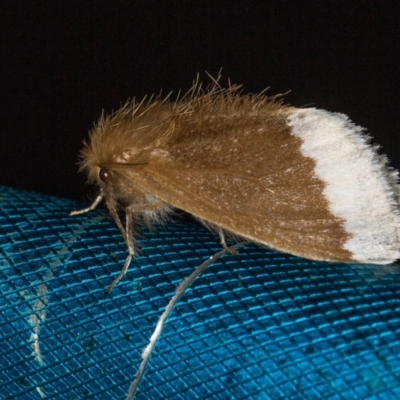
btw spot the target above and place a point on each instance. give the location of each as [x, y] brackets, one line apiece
[62, 62]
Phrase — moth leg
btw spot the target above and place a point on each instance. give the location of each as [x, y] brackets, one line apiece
[115, 217]
[96, 202]
[127, 233]
[130, 243]
[228, 249]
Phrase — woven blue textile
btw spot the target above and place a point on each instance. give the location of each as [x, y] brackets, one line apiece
[261, 325]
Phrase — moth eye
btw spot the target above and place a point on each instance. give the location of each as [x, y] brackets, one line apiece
[104, 174]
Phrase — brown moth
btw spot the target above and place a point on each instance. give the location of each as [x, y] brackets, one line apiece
[302, 181]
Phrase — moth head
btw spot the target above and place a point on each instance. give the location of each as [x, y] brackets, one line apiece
[118, 188]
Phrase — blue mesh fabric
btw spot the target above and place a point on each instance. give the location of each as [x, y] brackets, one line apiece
[261, 325]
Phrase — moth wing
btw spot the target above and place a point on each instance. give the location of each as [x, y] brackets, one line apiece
[308, 184]
[266, 209]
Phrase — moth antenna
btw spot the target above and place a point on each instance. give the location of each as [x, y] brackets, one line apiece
[122, 166]
[129, 243]
[179, 292]
[96, 202]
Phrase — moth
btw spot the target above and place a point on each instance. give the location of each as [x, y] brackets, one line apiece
[299, 180]
[302, 181]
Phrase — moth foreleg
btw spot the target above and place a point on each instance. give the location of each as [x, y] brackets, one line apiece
[228, 249]
[129, 231]
[115, 217]
[96, 202]
[130, 243]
